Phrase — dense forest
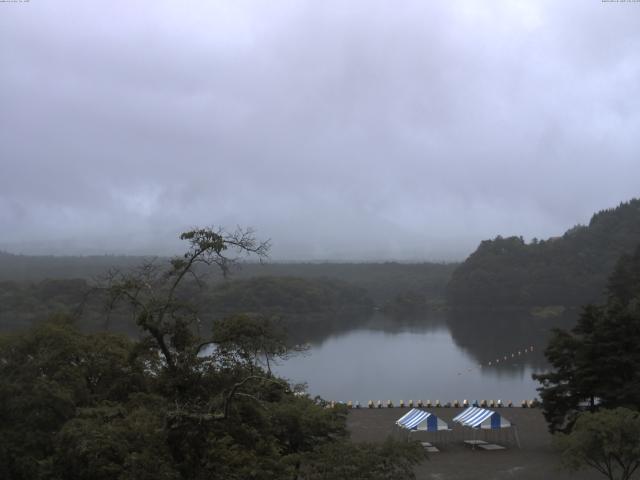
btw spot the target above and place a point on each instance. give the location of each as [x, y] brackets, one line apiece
[189, 391]
[570, 270]
[34, 268]
[383, 281]
[286, 295]
[309, 296]
[176, 403]
[295, 302]
[596, 363]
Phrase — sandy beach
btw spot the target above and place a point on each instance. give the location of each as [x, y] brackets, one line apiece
[456, 461]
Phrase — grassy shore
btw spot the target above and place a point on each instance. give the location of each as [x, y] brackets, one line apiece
[455, 461]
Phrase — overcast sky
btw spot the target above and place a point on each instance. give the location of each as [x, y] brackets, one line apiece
[357, 129]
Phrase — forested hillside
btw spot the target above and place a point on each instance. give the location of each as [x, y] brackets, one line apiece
[598, 358]
[40, 267]
[383, 281]
[295, 301]
[286, 295]
[179, 402]
[570, 270]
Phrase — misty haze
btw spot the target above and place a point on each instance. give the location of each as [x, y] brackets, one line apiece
[319, 240]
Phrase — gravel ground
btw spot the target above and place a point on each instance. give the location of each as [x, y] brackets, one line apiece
[456, 461]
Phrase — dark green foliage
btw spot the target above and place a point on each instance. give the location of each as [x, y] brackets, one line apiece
[349, 461]
[311, 301]
[570, 270]
[173, 405]
[597, 363]
[35, 268]
[624, 283]
[23, 304]
[412, 303]
[608, 441]
[287, 296]
[250, 340]
[115, 440]
[381, 281]
[45, 377]
[82, 406]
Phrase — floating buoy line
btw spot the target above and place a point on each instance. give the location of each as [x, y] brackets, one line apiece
[501, 358]
[437, 404]
[455, 404]
[507, 357]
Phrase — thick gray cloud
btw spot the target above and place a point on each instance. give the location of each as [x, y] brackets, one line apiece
[362, 129]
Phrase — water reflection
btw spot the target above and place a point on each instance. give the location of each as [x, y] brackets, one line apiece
[431, 356]
[318, 332]
[490, 335]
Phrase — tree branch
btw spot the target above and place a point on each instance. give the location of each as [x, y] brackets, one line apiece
[233, 391]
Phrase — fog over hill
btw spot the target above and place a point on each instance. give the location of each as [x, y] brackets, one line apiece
[341, 130]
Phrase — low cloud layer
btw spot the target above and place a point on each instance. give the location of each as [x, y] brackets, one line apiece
[340, 130]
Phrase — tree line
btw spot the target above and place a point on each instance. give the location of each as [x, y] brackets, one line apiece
[382, 281]
[570, 270]
[295, 300]
[591, 397]
[177, 403]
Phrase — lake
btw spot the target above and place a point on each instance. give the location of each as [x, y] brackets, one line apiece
[429, 357]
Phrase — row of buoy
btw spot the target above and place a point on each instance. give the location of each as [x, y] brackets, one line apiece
[513, 355]
[437, 404]
[503, 358]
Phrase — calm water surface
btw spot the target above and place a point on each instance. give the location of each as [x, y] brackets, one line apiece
[428, 360]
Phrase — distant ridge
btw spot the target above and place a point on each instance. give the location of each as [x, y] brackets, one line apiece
[38, 267]
[570, 270]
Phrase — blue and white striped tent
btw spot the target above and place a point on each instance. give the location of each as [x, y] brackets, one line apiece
[417, 419]
[476, 417]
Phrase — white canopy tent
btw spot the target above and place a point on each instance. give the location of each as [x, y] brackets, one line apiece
[476, 417]
[416, 420]
[486, 420]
